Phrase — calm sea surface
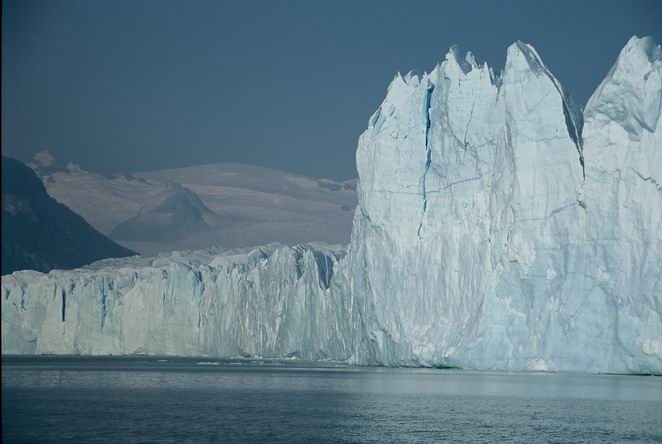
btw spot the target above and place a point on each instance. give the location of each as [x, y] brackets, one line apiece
[60, 399]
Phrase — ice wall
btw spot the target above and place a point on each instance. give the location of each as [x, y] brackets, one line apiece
[272, 301]
[493, 233]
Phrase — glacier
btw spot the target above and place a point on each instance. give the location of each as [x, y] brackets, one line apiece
[498, 227]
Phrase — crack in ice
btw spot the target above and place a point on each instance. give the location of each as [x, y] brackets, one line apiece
[650, 179]
[428, 154]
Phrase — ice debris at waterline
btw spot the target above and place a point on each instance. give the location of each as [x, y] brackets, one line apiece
[498, 228]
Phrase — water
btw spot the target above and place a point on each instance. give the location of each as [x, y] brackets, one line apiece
[57, 399]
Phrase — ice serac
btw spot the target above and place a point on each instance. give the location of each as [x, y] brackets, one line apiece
[496, 230]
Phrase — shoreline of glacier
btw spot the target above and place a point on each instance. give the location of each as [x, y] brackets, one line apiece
[284, 362]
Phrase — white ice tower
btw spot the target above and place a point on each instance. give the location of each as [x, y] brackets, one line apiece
[623, 151]
[490, 235]
[497, 228]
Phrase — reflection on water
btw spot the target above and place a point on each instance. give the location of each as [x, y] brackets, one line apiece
[51, 399]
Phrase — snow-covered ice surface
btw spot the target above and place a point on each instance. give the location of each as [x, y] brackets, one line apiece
[497, 228]
[227, 204]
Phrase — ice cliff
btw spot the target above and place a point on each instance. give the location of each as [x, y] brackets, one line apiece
[497, 228]
[272, 301]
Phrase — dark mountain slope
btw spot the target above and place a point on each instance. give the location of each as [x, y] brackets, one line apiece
[41, 234]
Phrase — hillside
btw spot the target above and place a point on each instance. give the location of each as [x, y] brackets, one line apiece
[41, 234]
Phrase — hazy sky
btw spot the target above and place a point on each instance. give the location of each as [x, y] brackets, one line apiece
[122, 86]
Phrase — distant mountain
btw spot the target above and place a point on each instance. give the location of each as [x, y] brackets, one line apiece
[44, 162]
[171, 215]
[239, 205]
[41, 234]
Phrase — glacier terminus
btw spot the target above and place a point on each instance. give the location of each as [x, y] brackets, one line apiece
[498, 227]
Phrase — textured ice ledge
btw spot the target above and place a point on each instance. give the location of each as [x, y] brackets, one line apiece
[272, 302]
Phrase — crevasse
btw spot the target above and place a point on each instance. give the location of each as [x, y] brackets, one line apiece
[428, 154]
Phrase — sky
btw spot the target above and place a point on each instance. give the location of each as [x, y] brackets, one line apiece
[137, 85]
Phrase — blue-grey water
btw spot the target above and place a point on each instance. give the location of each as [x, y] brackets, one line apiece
[73, 399]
